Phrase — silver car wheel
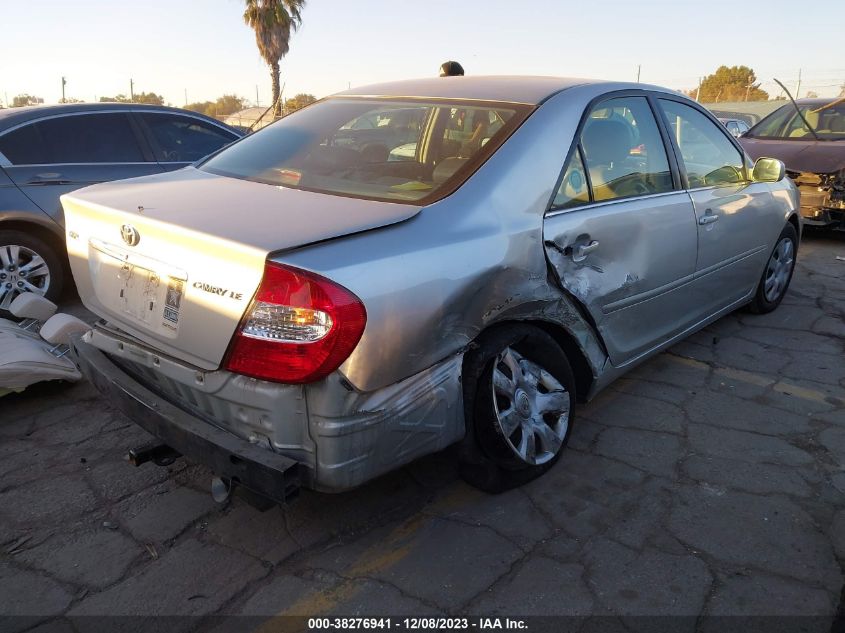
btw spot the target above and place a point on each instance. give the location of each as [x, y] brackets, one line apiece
[532, 407]
[779, 269]
[21, 270]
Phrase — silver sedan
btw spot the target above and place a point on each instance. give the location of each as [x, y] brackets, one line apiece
[407, 266]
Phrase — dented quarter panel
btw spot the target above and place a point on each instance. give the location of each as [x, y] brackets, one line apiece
[433, 283]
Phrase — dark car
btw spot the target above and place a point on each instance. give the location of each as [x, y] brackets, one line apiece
[813, 149]
[46, 151]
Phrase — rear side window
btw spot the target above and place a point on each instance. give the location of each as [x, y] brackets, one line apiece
[184, 139]
[573, 188]
[709, 158]
[86, 138]
[24, 146]
[623, 150]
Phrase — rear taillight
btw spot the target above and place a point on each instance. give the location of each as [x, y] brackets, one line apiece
[299, 327]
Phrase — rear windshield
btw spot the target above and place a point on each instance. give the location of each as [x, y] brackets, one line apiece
[827, 120]
[395, 150]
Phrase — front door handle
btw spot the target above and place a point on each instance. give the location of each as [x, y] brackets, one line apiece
[580, 251]
[708, 218]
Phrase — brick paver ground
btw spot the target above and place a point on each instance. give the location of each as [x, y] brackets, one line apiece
[709, 481]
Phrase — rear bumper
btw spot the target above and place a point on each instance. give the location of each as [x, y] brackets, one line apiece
[251, 466]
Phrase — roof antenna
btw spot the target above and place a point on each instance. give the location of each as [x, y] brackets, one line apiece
[798, 110]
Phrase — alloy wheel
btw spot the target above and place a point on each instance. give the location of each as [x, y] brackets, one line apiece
[779, 269]
[532, 407]
[21, 270]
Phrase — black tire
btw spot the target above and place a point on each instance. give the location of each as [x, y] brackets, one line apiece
[51, 283]
[489, 460]
[766, 299]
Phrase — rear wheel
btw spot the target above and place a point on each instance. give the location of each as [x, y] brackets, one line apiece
[27, 264]
[778, 273]
[518, 396]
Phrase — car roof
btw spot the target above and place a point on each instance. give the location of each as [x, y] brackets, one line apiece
[10, 117]
[504, 88]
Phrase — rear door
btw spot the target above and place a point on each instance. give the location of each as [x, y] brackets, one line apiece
[731, 211]
[179, 140]
[621, 233]
[58, 154]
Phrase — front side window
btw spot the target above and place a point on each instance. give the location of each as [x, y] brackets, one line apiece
[184, 139]
[710, 159]
[409, 150]
[85, 138]
[623, 150]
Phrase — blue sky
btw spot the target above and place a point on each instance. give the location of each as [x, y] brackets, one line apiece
[202, 46]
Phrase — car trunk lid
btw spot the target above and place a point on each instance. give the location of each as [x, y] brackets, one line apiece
[175, 259]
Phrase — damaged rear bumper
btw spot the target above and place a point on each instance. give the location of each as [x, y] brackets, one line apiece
[258, 469]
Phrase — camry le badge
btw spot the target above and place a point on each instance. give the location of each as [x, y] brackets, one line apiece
[130, 234]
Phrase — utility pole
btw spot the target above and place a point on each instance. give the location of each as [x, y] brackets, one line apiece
[748, 88]
[64, 82]
[131, 90]
[698, 92]
[257, 102]
[798, 88]
[639, 66]
[186, 96]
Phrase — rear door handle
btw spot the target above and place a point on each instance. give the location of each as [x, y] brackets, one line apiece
[708, 218]
[50, 178]
[580, 251]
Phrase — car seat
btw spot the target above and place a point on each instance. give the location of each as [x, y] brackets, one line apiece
[606, 143]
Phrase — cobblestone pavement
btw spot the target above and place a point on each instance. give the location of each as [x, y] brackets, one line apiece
[711, 480]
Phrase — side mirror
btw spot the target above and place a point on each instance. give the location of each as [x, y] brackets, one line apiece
[768, 170]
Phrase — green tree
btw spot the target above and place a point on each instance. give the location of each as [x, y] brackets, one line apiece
[200, 106]
[227, 104]
[299, 101]
[273, 21]
[140, 97]
[121, 98]
[26, 100]
[734, 83]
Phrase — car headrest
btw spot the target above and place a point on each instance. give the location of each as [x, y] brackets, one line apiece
[375, 153]
[446, 168]
[60, 327]
[29, 305]
[606, 141]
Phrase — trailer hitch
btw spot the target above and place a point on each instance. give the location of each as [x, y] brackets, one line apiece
[159, 454]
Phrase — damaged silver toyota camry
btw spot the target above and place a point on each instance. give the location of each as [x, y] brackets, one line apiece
[409, 266]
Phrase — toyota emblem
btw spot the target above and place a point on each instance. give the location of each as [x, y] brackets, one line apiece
[130, 234]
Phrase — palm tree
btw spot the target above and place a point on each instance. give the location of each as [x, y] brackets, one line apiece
[273, 21]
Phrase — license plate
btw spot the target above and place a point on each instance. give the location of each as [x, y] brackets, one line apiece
[151, 296]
